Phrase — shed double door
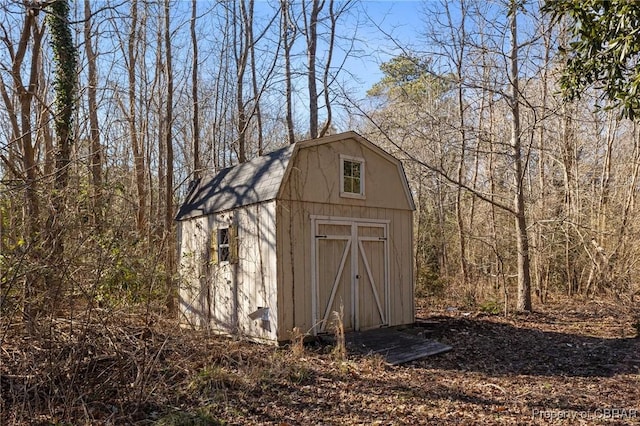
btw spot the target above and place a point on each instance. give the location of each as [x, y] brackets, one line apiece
[350, 274]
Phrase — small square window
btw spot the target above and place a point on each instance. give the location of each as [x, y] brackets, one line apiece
[352, 176]
[224, 252]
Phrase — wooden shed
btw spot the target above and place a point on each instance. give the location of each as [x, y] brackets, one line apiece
[287, 239]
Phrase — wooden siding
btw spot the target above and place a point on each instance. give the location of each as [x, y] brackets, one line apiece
[315, 174]
[275, 249]
[257, 271]
[240, 297]
[193, 267]
[311, 190]
[295, 297]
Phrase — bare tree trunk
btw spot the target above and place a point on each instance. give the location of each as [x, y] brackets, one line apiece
[95, 158]
[311, 33]
[460, 36]
[568, 159]
[480, 140]
[420, 237]
[138, 151]
[289, 36]
[241, 53]
[524, 278]
[30, 37]
[327, 67]
[219, 140]
[539, 263]
[194, 92]
[158, 202]
[442, 220]
[168, 122]
[43, 117]
[257, 91]
[499, 265]
[605, 179]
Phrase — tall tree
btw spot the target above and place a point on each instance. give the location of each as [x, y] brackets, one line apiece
[311, 34]
[330, 70]
[460, 164]
[25, 55]
[413, 105]
[242, 33]
[168, 135]
[194, 90]
[288, 34]
[65, 88]
[524, 270]
[135, 134]
[458, 34]
[96, 157]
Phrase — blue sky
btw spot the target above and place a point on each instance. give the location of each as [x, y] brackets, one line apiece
[402, 20]
[373, 23]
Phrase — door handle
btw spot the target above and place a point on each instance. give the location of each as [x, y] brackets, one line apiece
[357, 276]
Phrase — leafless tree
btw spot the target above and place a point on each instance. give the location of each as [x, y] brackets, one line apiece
[169, 227]
[19, 97]
[96, 157]
[194, 90]
[288, 29]
[524, 264]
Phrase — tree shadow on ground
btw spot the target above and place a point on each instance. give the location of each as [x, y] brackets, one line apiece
[499, 348]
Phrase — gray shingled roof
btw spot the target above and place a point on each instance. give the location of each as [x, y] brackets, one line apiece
[252, 182]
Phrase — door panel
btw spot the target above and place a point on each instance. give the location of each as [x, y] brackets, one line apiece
[350, 268]
[371, 279]
[334, 293]
[334, 255]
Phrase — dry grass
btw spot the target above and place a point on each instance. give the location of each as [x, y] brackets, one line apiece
[571, 358]
[340, 348]
[297, 342]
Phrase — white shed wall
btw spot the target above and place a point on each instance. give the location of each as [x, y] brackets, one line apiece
[193, 255]
[256, 277]
[231, 297]
[268, 291]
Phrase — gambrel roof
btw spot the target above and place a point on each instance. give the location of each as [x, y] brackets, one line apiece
[260, 179]
[247, 183]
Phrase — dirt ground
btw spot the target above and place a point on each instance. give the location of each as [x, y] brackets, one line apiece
[570, 362]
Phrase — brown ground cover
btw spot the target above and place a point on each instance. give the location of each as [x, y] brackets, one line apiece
[570, 362]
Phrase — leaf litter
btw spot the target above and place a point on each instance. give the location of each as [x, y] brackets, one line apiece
[570, 362]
